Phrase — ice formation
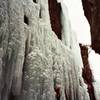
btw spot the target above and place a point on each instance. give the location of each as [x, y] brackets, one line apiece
[34, 63]
[78, 21]
[69, 37]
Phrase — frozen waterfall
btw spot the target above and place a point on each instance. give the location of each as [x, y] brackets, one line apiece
[35, 63]
[78, 21]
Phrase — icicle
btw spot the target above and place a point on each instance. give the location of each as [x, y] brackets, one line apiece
[78, 21]
[66, 27]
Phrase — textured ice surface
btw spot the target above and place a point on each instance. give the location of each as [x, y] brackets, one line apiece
[33, 61]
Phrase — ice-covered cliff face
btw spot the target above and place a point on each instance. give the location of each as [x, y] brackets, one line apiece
[34, 63]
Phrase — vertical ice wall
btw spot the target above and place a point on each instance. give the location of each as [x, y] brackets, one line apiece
[69, 37]
[35, 64]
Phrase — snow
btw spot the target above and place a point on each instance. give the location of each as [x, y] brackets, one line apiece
[94, 61]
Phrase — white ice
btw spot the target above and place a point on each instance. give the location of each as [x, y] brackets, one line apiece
[78, 21]
[94, 60]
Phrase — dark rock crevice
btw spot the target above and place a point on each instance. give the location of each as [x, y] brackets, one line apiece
[26, 20]
[87, 73]
[57, 90]
[34, 1]
[92, 12]
[55, 16]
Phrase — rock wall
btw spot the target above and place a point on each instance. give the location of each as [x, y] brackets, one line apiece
[55, 17]
[92, 12]
[87, 73]
[34, 63]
